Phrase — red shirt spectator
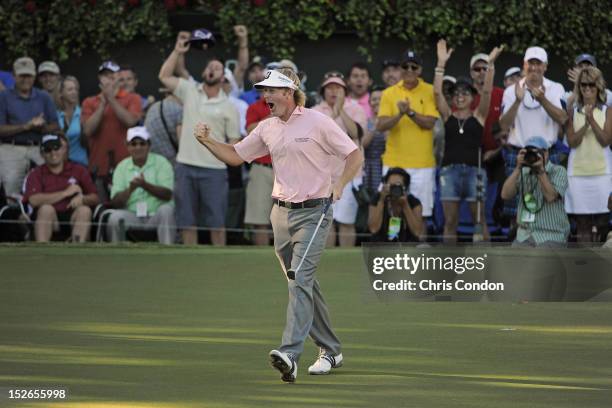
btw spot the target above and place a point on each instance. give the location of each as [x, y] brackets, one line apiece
[257, 112]
[110, 136]
[497, 94]
[42, 180]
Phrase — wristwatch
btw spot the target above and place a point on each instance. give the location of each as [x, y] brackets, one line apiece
[411, 114]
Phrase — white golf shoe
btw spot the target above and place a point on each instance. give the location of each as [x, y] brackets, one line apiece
[284, 364]
[325, 363]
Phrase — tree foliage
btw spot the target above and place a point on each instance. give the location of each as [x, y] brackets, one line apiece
[64, 28]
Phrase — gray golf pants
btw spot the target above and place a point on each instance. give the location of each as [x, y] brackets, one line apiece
[162, 221]
[306, 312]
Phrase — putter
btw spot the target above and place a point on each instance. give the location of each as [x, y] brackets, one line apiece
[292, 274]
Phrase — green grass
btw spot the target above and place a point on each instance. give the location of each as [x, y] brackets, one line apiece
[148, 326]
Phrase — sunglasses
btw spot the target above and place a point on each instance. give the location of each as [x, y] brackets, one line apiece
[588, 84]
[333, 74]
[462, 93]
[479, 69]
[53, 148]
[411, 67]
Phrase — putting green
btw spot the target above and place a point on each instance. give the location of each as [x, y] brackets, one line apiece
[145, 326]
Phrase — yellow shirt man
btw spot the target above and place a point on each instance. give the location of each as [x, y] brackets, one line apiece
[409, 145]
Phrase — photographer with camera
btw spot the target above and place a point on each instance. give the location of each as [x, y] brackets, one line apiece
[540, 186]
[396, 215]
[532, 107]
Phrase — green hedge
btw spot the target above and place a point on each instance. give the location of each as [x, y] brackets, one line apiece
[64, 28]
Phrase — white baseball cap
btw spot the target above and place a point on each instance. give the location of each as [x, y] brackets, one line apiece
[479, 57]
[287, 63]
[137, 131]
[538, 53]
[512, 71]
[229, 77]
[48, 66]
[275, 79]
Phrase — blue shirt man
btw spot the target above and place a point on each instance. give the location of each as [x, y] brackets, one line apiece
[26, 113]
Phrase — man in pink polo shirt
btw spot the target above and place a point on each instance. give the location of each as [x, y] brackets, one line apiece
[306, 147]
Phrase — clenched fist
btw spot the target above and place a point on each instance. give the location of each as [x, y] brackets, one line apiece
[202, 133]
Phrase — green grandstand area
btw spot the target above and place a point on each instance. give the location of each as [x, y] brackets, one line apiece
[146, 326]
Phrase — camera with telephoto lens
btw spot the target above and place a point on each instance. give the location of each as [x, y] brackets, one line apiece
[532, 155]
[397, 191]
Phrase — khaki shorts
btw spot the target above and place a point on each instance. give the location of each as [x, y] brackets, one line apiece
[259, 195]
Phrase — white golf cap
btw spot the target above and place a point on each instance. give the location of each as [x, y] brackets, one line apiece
[229, 77]
[449, 79]
[538, 53]
[479, 57]
[138, 131]
[275, 79]
[512, 71]
[287, 63]
[48, 66]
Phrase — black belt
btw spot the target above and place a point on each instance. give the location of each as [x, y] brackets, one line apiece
[315, 202]
[264, 164]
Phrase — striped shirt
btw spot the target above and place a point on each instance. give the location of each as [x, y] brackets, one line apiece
[550, 224]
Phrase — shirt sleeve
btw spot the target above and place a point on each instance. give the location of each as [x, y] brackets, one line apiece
[134, 105]
[33, 184]
[557, 98]
[166, 174]
[120, 181]
[87, 109]
[559, 180]
[176, 114]
[182, 89]
[85, 181]
[232, 124]
[387, 105]
[430, 108]
[508, 99]
[335, 140]
[252, 146]
[50, 113]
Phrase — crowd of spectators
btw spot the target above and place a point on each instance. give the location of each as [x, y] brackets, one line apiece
[543, 149]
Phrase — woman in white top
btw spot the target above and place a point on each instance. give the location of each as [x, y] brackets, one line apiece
[589, 168]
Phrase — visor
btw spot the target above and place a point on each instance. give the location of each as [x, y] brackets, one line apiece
[275, 79]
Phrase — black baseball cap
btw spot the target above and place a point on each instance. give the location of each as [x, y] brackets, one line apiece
[411, 56]
[50, 141]
[109, 66]
[390, 62]
[464, 83]
[586, 58]
[202, 36]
